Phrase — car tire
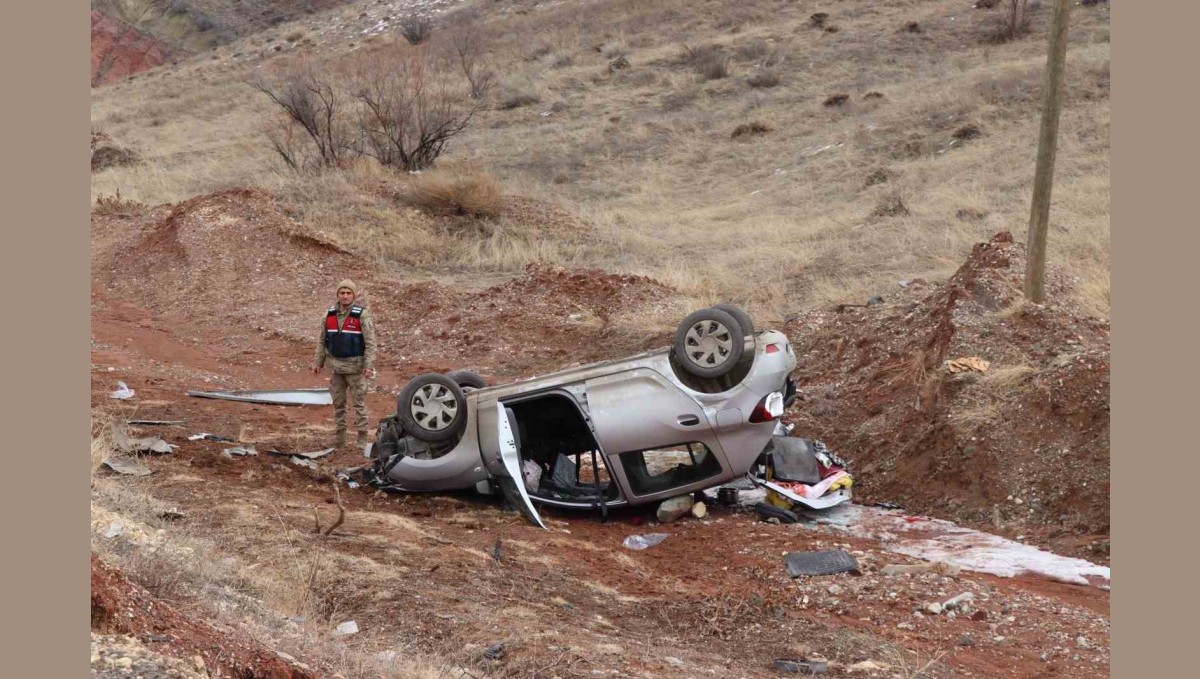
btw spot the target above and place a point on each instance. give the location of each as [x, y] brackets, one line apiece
[709, 343]
[740, 314]
[432, 408]
[467, 379]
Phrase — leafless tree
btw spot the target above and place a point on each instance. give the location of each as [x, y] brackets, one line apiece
[467, 45]
[1015, 20]
[411, 106]
[309, 99]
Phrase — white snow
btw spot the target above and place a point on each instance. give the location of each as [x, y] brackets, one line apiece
[937, 540]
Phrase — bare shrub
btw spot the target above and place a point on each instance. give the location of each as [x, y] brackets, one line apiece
[516, 96]
[462, 193]
[112, 156]
[837, 100]
[751, 129]
[410, 108]
[468, 46]
[416, 29]
[1013, 24]
[114, 206]
[767, 77]
[891, 205]
[312, 110]
[708, 61]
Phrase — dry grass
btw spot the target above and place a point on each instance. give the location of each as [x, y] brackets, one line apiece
[1006, 381]
[649, 161]
[456, 193]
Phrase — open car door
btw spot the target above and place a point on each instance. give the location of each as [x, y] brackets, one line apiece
[511, 484]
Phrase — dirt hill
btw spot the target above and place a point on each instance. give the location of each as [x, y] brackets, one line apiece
[1023, 446]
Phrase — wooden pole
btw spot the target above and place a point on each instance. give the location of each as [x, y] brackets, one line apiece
[1039, 218]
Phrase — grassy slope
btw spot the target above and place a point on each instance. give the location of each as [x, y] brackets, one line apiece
[782, 220]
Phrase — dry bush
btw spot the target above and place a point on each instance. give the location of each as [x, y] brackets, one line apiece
[115, 206]
[708, 61]
[891, 205]
[105, 157]
[410, 106]
[468, 46]
[460, 193]
[416, 29]
[1006, 380]
[1011, 25]
[312, 129]
[516, 96]
[836, 100]
[763, 78]
[751, 129]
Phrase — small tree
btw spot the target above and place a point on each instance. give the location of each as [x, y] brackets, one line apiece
[410, 106]
[1016, 21]
[467, 46]
[309, 101]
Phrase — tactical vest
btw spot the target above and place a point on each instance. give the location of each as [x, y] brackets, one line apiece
[346, 341]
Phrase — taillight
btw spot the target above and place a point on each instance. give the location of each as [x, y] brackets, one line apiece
[770, 408]
[771, 348]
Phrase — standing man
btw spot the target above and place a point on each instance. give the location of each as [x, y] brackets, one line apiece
[347, 345]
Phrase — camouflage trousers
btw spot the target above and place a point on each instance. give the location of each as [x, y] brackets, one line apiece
[356, 385]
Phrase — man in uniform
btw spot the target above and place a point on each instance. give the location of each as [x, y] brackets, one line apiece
[347, 346]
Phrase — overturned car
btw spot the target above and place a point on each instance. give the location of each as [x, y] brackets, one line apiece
[633, 431]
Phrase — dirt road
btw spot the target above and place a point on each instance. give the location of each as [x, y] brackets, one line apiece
[420, 572]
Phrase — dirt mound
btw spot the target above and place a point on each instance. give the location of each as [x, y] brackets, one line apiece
[230, 268]
[122, 607]
[1022, 446]
[119, 49]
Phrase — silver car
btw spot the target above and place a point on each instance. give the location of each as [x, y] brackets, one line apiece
[627, 432]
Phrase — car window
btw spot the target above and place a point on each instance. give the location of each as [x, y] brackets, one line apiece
[653, 471]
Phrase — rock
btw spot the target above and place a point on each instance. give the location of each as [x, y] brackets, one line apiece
[673, 509]
[835, 589]
[966, 640]
[1082, 642]
[934, 608]
[125, 663]
[673, 662]
[699, 510]
[979, 616]
[114, 529]
[867, 666]
[346, 628]
[957, 601]
[877, 299]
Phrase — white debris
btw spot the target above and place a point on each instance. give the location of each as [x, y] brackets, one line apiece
[123, 391]
[346, 628]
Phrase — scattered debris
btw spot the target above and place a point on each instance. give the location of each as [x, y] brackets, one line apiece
[123, 391]
[888, 505]
[211, 437]
[114, 529]
[172, 514]
[346, 628]
[239, 451]
[304, 462]
[282, 397]
[973, 363]
[152, 444]
[825, 562]
[957, 601]
[494, 652]
[767, 512]
[640, 542]
[154, 423]
[802, 666]
[128, 466]
[674, 508]
[315, 455]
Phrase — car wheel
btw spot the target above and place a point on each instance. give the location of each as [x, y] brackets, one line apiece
[432, 408]
[467, 379]
[740, 314]
[709, 343]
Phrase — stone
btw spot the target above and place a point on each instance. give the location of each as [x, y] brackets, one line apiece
[958, 601]
[125, 662]
[674, 508]
[673, 662]
[699, 510]
[934, 608]
[346, 628]
[835, 589]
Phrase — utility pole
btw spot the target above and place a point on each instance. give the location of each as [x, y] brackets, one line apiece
[1035, 269]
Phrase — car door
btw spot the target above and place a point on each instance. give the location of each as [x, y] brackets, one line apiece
[508, 476]
[639, 415]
